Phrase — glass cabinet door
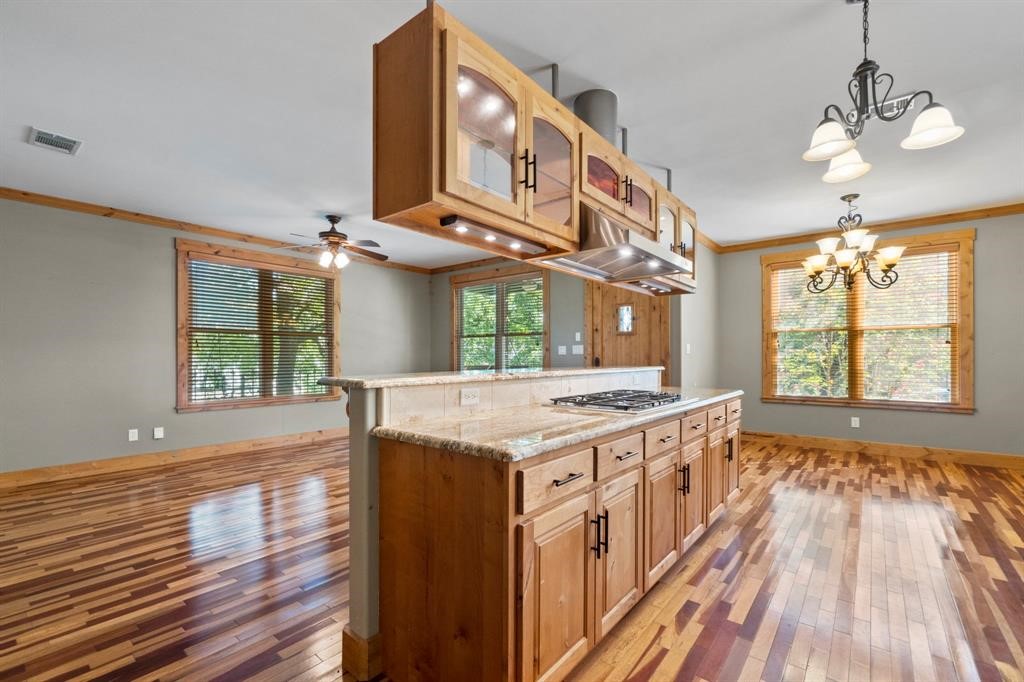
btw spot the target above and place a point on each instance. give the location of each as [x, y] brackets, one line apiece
[483, 113]
[668, 225]
[551, 160]
[638, 201]
[601, 173]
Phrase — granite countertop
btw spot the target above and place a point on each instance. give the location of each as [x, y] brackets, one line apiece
[434, 378]
[518, 433]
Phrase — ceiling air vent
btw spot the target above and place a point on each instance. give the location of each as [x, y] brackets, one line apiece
[58, 143]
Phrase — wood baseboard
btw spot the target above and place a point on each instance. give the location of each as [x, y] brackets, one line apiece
[360, 657]
[969, 457]
[150, 459]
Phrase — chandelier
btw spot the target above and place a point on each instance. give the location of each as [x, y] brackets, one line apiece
[852, 259]
[836, 136]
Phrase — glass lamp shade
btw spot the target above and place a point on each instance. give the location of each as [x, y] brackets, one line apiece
[828, 245]
[845, 257]
[818, 262]
[932, 127]
[853, 238]
[846, 166]
[881, 262]
[341, 260]
[828, 141]
[325, 259]
[890, 255]
[808, 269]
[868, 243]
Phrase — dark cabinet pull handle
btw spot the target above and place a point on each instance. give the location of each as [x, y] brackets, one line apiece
[737, 411]
[685, 471]
[604, 543]
[667, 439]
[526, 170]
[631, 453]
[697, 426]
[568, 479]
[719, 418]
[728, 450]
[629, 190]
[597, 536]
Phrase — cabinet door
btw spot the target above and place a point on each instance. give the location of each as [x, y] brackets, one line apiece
[716, 475]
[555, 618]
[483, 137]
[601, 176]
[552, 151]
[674, 231]
[687, 240]
[692, 489]
[732, 460]
[638, 201]
[620, 581]
[661, 516]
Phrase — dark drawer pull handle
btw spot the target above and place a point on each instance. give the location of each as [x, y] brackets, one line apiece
[667, 439]
[568, 479]
[697, 426]
[631, 453]
[737, 411]
[719, 418]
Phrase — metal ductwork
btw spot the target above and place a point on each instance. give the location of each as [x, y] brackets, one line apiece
[599, 109]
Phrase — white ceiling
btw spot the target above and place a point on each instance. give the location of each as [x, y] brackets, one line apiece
[255, 116]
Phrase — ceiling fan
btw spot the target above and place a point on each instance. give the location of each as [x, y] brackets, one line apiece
[334, 245]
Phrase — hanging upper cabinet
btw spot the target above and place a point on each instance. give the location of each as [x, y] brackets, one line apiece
[677, 230]
[601, 175]
[484, 140]
[551, 160]
[638, 197]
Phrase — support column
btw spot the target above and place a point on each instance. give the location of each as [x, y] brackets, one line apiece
[361, 652]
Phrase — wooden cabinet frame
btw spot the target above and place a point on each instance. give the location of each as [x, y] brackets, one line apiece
[618, 560]
[541, 105]
[592, 144]
[640, 181]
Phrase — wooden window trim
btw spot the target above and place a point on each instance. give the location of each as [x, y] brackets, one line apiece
[963, 370]
[219, 253]
[493, 275]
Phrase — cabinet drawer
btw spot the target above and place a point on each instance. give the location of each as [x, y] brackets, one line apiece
[734, 410]
[695, 425]
[716, 416]
[553, 480]
[661, 438]
[619, 455]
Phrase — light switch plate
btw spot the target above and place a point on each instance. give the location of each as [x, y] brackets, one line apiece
[579, 336]
[687, 349]
[854, 422]
[158, 432]
[561, 350]
[469, 396]
[133, 435]
[577, 349]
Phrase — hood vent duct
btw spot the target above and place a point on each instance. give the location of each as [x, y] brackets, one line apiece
[599, 109]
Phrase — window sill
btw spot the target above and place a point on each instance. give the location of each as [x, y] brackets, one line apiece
[257, 402]
[872, 404]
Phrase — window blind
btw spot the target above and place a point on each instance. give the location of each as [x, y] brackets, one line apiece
[255, 333]
[500, 324]
[899, 344]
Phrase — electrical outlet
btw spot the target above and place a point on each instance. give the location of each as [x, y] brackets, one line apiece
[469, 396]
[687, 349]
[577, 349]
[158, 432]
[854, 422]
[561, 350]
[133, 435]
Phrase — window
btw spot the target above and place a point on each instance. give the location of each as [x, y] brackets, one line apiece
[253, 328]
[907, 347]
[499, 320]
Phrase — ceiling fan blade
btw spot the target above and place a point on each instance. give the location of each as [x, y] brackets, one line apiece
[297, 246]
[364, 252]
[363, 242]
[304, 236]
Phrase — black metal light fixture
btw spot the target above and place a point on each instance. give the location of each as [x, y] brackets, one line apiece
[853, 258]
[836, 136]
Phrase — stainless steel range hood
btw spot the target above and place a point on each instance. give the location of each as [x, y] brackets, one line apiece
[611, 252]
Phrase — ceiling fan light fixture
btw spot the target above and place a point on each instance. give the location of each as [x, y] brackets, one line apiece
[847, 166]
[934, 126]
[325, 259]
[828, 141]
[341, 260]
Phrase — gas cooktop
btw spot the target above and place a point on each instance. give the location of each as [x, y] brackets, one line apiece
[622, 400]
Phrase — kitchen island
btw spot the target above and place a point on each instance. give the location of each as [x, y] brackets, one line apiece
[513, 534]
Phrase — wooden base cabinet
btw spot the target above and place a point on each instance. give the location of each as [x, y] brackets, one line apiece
[505, 571]
[691, 493]
[557, 553]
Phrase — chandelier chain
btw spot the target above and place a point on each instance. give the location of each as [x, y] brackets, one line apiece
[866, 29]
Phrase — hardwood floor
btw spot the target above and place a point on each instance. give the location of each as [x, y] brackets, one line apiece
[840, 566]
[829, 566]
[226, 568]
